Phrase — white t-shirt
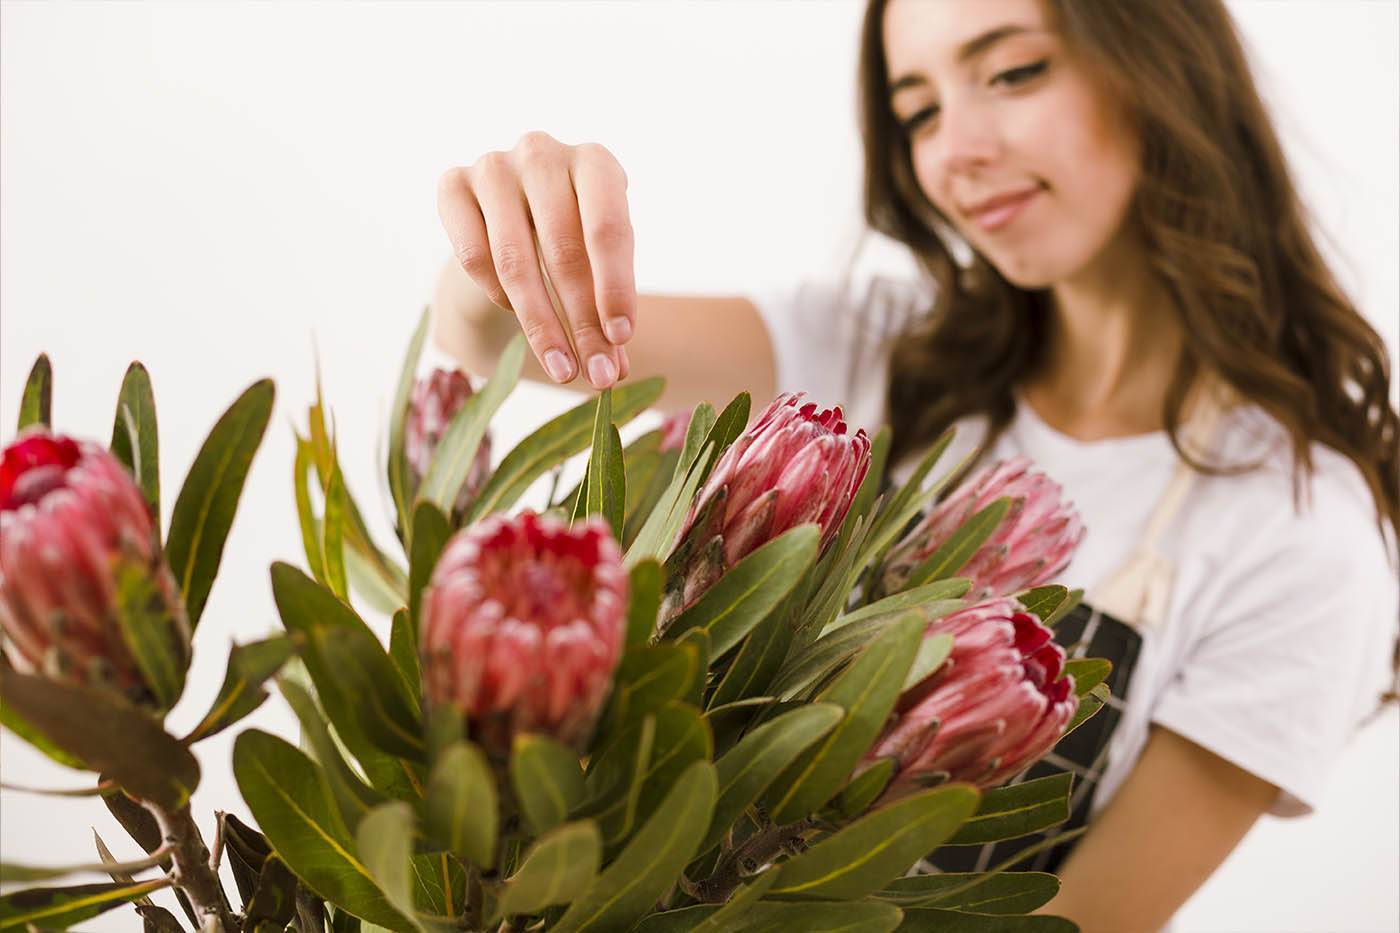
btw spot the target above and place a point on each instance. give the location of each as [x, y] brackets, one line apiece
[1280, 625]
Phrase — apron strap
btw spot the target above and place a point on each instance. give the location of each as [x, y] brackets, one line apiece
[1137, 592]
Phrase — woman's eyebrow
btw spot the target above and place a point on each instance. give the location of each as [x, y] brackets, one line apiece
[968, 51]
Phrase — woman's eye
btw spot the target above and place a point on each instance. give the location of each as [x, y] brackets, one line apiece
[1012, 77]
[1017, 75]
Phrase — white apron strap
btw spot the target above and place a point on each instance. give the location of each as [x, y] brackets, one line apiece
[1137, 593]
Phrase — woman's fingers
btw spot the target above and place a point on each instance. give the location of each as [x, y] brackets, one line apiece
[515, 263]
[544, 177]
[600, 185]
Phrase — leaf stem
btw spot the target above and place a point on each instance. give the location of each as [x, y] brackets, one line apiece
[192, 872]
[750, 857]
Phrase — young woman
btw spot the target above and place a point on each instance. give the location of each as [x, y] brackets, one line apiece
[1119, 282]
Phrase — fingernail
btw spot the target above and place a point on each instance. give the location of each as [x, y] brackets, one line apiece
[619, 330]
[558, 366]
[601, 371]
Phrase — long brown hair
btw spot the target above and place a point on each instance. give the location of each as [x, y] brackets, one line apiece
[1227, 235]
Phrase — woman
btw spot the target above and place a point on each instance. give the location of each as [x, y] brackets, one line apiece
[1141, 310]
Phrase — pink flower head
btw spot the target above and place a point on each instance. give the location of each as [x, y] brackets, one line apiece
[1033, 543]
[523, 625]
[71, 520]
[795, 465]
[997, 705]
[433, 403]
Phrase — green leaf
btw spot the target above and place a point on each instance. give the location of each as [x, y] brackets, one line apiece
[460, 439]
[648, 678]
[750, 767]
[205, 507]
[1089, 704]
[867, 690]
[353, 798]
[682, 737]
[1088, 673]
[599, 460]
[757, 661]
[1005, 893]
[384, 841]
[702, 420]
[555, 441]
[369, 581]
[397, 465]
[929, 920]
[929, 594]
[461, 808]
[725, 431]
[106, 733]
[16, 724]
[907, 502]
[135, 439]
[403, 651]
[857, 796]
[358, 684]
[933, 651]
[1017, 810]
[36, 404]
[644, 602]
[151, 632]
[60, 908]
[333, 534]
[954, 553]
[853, 917]
[242, 691]
[745, 595]
[879, 847]
[615, 483]
[547, 780]
[659, 531]
[274, 897]
[306, 515]
[652, 860]
[11, 872]
[286, 793]
[431, 532]
[1064, 608]
[1043, 601]
[558, 868]
[616, 777]
[647, 473]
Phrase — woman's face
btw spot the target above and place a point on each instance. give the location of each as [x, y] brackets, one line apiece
[1016, 114]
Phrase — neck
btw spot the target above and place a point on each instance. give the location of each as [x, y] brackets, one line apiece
[1114, 343]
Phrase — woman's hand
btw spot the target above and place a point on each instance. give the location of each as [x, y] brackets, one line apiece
[565, 207]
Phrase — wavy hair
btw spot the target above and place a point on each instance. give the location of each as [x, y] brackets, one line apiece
[1227, 236]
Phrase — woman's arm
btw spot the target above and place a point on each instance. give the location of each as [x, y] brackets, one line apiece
[1178, 814]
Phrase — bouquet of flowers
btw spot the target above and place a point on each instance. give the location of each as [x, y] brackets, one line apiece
[721, 684]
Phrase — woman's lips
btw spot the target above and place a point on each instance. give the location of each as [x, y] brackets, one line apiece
[998, 217]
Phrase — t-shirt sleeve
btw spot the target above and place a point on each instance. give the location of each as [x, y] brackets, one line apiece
[831, 337]
[1297, 647]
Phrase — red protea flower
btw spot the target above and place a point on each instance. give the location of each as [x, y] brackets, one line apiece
[1031, 546]
[73, 525]
[997, 705]
[434, 401]
[673, 431]
[795, 465]
[523, 623]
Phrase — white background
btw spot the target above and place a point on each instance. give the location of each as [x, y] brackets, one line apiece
[213, 188]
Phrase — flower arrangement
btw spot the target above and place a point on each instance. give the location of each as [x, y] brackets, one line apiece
[722, 684]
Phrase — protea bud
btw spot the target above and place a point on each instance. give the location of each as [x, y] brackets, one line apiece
[434, 401]
[523, 623]
[1031, 546]
[795, 465]
[995, 706]
[673, 431]
[76, 541]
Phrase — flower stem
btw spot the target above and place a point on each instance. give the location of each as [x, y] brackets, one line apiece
[749, 858]
[192, 872]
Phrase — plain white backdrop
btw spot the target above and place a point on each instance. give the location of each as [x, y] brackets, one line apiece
[211, 188]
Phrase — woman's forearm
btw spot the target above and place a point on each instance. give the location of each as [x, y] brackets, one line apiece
[467, 326]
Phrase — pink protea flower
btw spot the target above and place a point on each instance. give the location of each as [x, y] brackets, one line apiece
[523, 623]
[673, 431]
[997, 704]
[1031, 546]
[434, 401]
[795, 465]
[72, 522]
